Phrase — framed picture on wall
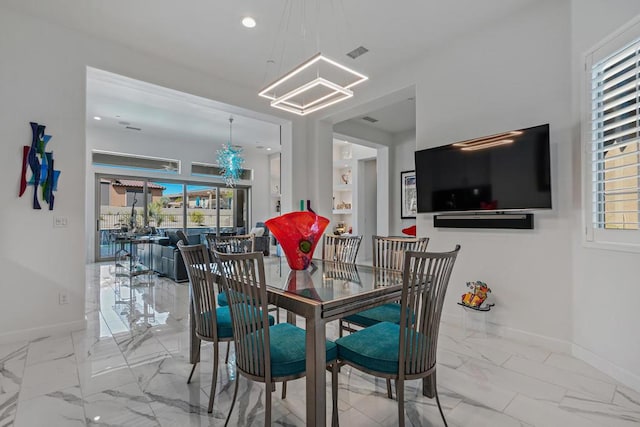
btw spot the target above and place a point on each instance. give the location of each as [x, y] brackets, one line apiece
[408, 195]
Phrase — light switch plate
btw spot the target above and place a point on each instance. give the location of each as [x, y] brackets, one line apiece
[60, 221]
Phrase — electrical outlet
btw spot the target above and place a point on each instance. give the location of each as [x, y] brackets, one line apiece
[63, 298]
[60, 222]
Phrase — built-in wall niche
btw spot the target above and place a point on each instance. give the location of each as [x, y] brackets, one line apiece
[345, 175]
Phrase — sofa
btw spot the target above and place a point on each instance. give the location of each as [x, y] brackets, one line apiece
[165, 256]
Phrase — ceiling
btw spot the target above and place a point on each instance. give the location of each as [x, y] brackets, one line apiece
[123, 103]
[392, 118]
[208, 36]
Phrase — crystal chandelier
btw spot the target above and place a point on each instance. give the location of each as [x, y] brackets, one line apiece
[230, 160]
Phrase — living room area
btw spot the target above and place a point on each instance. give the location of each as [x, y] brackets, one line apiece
[153, 144]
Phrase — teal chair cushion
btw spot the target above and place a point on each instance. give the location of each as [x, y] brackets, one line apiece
[222, 299]
[374, 348]
[223, 316]
[383, 313]
[288, 350]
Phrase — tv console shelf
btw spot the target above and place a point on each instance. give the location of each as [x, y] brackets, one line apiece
[512, 220]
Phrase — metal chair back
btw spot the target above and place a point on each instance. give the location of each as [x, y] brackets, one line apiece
[340, 248]
[425, 280]
[243, 280]
[388, 252]
[182, 236]
[201, 282]
[231, 244]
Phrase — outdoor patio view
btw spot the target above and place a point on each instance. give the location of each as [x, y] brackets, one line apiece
[209, 209]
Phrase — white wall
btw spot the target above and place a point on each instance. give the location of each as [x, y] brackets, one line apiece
[525, 71]
[403, 147]
[42, 78]
[510, 76]
[187, 150]
[37, 260]
[605, 323]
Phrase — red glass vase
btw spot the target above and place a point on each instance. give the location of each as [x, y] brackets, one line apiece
[298, 234]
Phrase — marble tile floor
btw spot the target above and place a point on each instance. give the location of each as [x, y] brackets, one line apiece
[129, 368]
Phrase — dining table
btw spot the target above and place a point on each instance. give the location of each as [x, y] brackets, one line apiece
[324, 292]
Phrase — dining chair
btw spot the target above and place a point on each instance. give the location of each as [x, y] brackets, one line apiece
[234, 244]
[340, 248]
[407, 350]
[388, 253]
[182, 237]
[211, 323]
[229, 244]
[268, 355]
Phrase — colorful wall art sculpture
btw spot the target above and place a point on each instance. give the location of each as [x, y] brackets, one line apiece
[40, 163]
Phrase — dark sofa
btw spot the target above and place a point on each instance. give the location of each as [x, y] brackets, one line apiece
[165, 256]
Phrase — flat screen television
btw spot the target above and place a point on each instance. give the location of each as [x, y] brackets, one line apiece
[503, 172]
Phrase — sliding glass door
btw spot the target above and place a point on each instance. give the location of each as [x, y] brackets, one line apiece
[126, 204]
[165, 207]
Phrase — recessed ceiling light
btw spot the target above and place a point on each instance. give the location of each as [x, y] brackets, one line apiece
[97, 118]
[248, 22]
[268, 148]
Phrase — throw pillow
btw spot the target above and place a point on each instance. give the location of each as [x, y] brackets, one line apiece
[257, 231]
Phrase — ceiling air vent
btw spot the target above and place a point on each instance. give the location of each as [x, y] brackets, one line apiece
[132, 128]
[369, 119]
[361, 50]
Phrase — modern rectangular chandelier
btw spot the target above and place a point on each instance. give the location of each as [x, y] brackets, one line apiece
[315, 84]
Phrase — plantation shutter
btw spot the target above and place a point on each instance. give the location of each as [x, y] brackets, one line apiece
[615, 139]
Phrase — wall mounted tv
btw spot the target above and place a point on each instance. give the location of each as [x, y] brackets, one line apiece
[503, 172]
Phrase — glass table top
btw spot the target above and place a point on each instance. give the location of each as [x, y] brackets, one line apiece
[326, 281]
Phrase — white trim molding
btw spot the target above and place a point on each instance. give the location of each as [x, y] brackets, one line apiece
[627, 378]
[45, 331]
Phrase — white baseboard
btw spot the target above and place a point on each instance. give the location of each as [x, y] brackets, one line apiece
[45, 331]
[554, 344]
[627, 378]
[622, 375]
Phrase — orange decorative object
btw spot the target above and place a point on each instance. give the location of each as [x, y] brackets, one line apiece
[478, 294]
[298, 234]
[410, 231]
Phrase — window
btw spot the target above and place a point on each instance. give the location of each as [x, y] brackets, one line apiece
[133, 196]
[204, 169]
[131, 161]
[613, 140]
